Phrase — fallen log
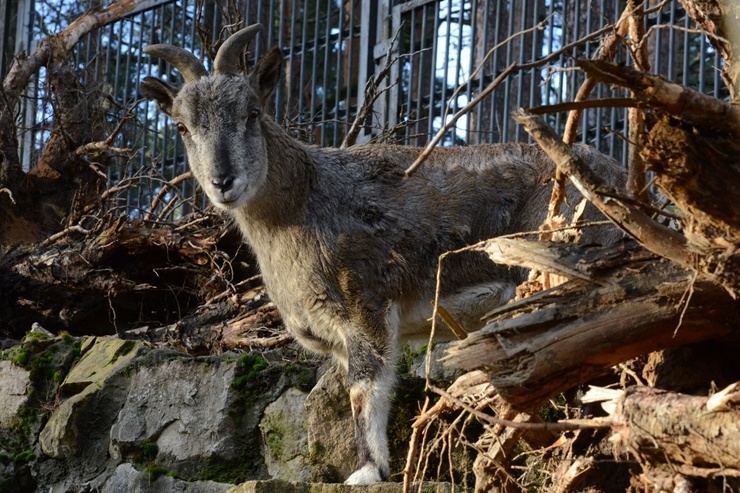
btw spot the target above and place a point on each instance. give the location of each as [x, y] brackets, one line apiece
[538, 347]
[697, 436]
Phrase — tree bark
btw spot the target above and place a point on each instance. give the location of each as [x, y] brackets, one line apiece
[34, 204]
[683, 431]
[721, 20]
[543, 345]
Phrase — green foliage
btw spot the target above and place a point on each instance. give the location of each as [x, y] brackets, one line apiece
[25, 420]
[302, 377]
[47, 359]
[153, 471]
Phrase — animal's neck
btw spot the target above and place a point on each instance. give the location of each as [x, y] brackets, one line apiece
[290, 176]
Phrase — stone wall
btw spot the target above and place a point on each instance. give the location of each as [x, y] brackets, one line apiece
[102, 414]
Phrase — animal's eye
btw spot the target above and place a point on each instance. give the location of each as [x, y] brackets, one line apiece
[182, 128]
[254, 114]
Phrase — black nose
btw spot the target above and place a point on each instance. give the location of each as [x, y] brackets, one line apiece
[223, 183]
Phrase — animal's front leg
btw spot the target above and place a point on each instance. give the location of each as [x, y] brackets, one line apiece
[371, 378]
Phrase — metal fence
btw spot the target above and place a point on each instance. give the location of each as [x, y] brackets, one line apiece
[444, 52]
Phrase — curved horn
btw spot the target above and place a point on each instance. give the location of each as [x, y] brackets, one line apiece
[189, 66]
[227, 58]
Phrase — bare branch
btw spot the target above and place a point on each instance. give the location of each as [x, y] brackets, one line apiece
[22, 69]
[560, 426]
[372, 94]
[166, 186]
[656, 237]
[514, 67]
[675, 99]
[10, 194]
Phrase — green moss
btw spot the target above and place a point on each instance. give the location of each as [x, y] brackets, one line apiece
[25, 456]
[316, 450]
[301, 376]
[125, 348]
[47, 360]
[406, 361]
[23, 424]
[552, 411]
[153, 471]
[250, 366]
[148, 450]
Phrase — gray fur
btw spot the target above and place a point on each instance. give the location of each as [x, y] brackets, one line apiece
[347, 246]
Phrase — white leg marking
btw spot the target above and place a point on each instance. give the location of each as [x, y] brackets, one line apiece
[365, 475]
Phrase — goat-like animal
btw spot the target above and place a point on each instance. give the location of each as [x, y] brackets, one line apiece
[346, 245]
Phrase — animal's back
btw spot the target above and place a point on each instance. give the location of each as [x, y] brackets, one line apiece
[388, 231]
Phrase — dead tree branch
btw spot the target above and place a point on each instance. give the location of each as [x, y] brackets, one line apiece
[371, 94]
[514, 67]
[656, 237]
[663, 427]
[540, 346]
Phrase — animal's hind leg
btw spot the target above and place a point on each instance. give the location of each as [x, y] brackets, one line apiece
[371, 378]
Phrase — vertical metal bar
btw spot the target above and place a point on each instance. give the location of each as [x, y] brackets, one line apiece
[483, 135]
[301, 85]
[393, 98]
[672, 43]
[408, 113]
[339, 128]
[520, 76]
[433, 74]
[423, 57]
[702, 64]
[459, 69]
[445, 71]
[495, 129]
[717, 81]
[349, 50]
[685, 63]
[508, 82]
[471, 137]
[291, 62]
[536, 51]
[550, 47]
[314, 69]
[325, 125]
[4, 34]
[280, 42]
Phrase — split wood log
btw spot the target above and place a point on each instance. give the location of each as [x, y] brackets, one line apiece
[684, 431]
[637, 303]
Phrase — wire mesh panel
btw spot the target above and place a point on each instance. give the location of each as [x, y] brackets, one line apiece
[506, 53]
[454, 50]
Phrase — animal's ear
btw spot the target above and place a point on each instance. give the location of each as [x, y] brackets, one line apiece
[160, 91]
[267, 73]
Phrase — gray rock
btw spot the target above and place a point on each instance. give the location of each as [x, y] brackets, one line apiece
[184, 407]
[15, 384]
[102, 356]
[279, 486]
[283, 428]
[330, 428]
[438, 371]
[126, 479]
